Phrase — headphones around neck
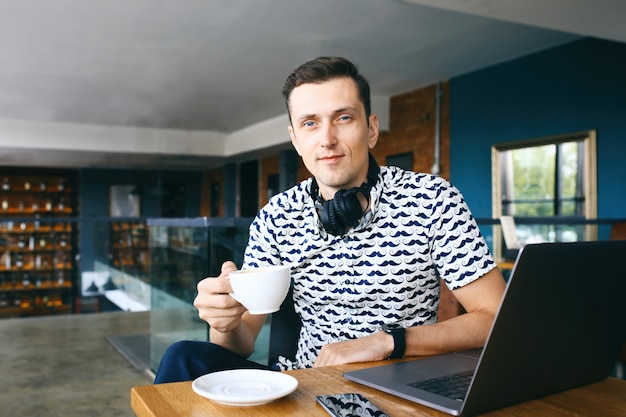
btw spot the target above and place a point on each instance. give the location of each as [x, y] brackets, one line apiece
[344, 210]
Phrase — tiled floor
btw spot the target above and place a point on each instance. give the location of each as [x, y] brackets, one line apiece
[64, 365]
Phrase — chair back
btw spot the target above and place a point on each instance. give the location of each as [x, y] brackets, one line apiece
[284, 331]
[618, 232]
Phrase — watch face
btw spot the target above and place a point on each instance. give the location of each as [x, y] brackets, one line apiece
[392, 326]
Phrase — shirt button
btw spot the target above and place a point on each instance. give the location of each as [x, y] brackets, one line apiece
[346, 239]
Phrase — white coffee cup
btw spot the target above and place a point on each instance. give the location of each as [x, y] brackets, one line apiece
[261, 290]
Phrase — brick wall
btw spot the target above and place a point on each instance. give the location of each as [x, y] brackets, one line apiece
[412, 128]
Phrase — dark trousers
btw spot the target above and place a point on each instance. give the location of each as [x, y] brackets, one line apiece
[187, 360]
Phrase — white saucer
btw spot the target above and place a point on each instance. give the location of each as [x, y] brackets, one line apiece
[244, 386]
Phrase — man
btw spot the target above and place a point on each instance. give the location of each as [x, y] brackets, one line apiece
[366, 246]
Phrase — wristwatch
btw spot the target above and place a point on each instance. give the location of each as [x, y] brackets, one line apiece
[399, 342]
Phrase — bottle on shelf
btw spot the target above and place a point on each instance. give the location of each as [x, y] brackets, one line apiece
[38, 300]
[25, 302]
[7, 261]
[26, 280]
[6, 184]
[60, 278]
[45, 262]
[19, 261]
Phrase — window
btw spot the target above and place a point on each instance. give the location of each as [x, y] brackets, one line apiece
[546, 183]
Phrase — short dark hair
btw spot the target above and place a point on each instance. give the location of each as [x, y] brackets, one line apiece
[325, 69]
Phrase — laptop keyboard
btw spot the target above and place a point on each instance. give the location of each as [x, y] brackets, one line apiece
[453, 386]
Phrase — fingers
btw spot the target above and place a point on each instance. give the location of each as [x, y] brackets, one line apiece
[228, 267]
[217, 285]
[215, 305]
[214, 294]
[223, 320]
[219, 309]
[213, 286]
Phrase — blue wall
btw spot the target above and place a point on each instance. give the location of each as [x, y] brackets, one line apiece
[94, 190]
[576, 87]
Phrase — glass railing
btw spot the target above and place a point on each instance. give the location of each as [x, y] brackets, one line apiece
[115, 261]
[182, 252]
[140, 264]
[544, 229]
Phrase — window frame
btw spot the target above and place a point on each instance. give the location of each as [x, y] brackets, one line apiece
[588, 138]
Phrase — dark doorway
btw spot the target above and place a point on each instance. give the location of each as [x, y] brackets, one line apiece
[249, 188]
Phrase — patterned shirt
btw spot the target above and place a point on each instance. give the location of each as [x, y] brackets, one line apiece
[386, 269]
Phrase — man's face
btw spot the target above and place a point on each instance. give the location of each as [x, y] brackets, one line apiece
[331, 133]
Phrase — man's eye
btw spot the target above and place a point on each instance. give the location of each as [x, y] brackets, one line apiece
[308, 123]
[345, 117]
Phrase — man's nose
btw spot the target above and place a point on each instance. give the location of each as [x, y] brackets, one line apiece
[328, 135]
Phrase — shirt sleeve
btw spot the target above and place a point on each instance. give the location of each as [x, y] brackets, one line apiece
[459, 250]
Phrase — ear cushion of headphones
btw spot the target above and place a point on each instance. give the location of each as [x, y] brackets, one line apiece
[343, 211]
[327, 216]
[348, 207]
[329, 219]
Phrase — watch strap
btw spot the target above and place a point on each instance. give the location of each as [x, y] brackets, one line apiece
[399, 341]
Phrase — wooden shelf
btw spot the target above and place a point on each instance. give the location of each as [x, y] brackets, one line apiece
[130, 250]
[33, 288]
[43, 310]
[36, 242]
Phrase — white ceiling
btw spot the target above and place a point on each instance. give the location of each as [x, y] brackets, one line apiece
[170, 79]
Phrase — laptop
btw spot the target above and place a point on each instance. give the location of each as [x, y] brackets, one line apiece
[561, 324]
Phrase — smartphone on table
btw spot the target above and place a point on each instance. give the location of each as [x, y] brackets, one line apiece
[349, 405]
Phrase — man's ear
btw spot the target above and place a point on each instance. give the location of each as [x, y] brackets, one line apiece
[373, 131]
[294, 140]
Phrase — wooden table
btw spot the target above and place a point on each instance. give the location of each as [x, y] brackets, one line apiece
[505, 264]
[606, 398]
